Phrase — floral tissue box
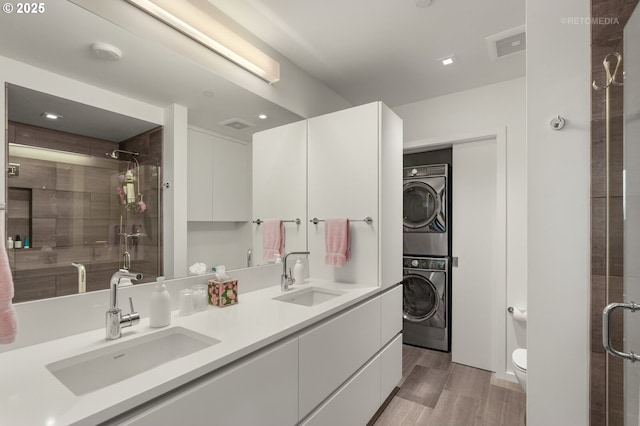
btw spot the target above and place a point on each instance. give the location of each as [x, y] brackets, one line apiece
[223, 293]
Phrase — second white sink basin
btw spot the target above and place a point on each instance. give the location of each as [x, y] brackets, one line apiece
[94, 370]
[310, 296]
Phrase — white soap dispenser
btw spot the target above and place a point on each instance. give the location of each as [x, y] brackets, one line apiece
[160, 310]
[298, 272]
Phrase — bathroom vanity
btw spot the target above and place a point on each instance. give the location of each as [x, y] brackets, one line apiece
[322, 353]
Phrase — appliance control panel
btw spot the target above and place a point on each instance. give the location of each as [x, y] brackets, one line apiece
[426, 263]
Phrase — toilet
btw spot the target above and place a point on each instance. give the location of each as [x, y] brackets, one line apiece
[519, 361]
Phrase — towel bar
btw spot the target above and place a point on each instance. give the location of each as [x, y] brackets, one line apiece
[297, 221]
[367, 219]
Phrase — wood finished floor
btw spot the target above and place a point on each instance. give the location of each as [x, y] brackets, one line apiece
[435, 391]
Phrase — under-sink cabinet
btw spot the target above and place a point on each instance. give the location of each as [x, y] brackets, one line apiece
[338, 371]
[333, 351]
[261, 390]
[366, 390]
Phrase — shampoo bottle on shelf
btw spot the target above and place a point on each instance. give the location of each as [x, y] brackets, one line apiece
[17, 243]
[9, 243]
[160, 309]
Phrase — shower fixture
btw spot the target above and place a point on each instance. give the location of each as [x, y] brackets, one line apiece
[114, 154]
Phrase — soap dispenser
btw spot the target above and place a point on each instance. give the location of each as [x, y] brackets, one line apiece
[160, 310]
[298, 272]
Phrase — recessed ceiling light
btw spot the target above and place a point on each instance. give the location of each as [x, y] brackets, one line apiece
[106, 51]
[50, 115]
[448, 60]
[262, 116]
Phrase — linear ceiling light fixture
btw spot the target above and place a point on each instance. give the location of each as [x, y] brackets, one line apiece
[200, 26]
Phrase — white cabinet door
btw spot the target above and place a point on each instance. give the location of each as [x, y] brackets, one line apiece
[199, 176]
[343, 183]
[474, 231]
[359, 398]
[355, 403]
[391, 317]
[262, 390]
[280, 183]
[390, 367]
[231, 178]
[218, 177]
[332, 352]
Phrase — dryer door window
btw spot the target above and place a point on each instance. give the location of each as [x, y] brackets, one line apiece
[421, 300]
[421, 205]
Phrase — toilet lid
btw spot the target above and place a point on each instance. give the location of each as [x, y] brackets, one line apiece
[520, 359]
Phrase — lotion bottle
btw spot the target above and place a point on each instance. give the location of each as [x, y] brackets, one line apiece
[298, 272]
[160, 309]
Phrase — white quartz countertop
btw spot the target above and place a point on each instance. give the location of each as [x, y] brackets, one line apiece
[31, 395]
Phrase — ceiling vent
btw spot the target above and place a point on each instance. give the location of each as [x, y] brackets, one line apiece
[507, 43]
[236, 124]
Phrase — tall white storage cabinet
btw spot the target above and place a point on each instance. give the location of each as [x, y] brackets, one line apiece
[355, 171]
[280, 183]
[218, 177]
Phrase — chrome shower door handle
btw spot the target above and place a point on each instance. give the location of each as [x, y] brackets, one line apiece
[606, 335]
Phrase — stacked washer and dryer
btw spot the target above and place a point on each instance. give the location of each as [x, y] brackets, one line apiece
[427, 255]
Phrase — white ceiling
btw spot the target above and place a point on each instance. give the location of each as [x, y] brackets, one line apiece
[365, 50]
[368, 50]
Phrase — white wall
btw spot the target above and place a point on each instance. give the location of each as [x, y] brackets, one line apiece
[219, 243]
[558, 163]
[468, 115]
[174, 207]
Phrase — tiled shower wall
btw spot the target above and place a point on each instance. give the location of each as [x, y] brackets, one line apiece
[606, 38]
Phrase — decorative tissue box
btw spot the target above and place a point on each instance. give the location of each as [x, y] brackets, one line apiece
[223, 293]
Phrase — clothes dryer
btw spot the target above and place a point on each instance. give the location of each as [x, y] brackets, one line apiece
[426, 304]
[426, 222]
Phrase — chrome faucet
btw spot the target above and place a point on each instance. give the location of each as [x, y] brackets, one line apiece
[287, 280]
[82, 277]
[115, 321]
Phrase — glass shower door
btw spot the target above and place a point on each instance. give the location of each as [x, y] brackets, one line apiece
[631, 280]
[621, 319]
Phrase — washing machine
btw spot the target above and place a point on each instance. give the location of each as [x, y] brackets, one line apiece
[425, 198]
[426, 304]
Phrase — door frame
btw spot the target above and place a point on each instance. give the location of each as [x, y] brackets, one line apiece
[501, 359]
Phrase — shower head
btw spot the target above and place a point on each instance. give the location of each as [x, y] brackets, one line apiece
[114, 154]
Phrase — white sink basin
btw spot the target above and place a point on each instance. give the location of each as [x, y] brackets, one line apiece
[103, 367]
[310, 296]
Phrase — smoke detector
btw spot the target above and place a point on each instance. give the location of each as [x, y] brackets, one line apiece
[507, 42]
[106, 51]
[236, 123]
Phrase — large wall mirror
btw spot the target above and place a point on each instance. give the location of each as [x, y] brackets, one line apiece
[87, 189]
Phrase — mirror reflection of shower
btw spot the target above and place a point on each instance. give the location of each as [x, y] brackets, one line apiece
[131, 198]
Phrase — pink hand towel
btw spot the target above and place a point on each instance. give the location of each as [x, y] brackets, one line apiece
[8, 319]
[272, 239]
[337, 241]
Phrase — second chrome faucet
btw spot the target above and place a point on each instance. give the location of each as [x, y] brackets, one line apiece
[287, 279]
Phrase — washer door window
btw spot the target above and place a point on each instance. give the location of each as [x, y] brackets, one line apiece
[421, 206]
[421, 299]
